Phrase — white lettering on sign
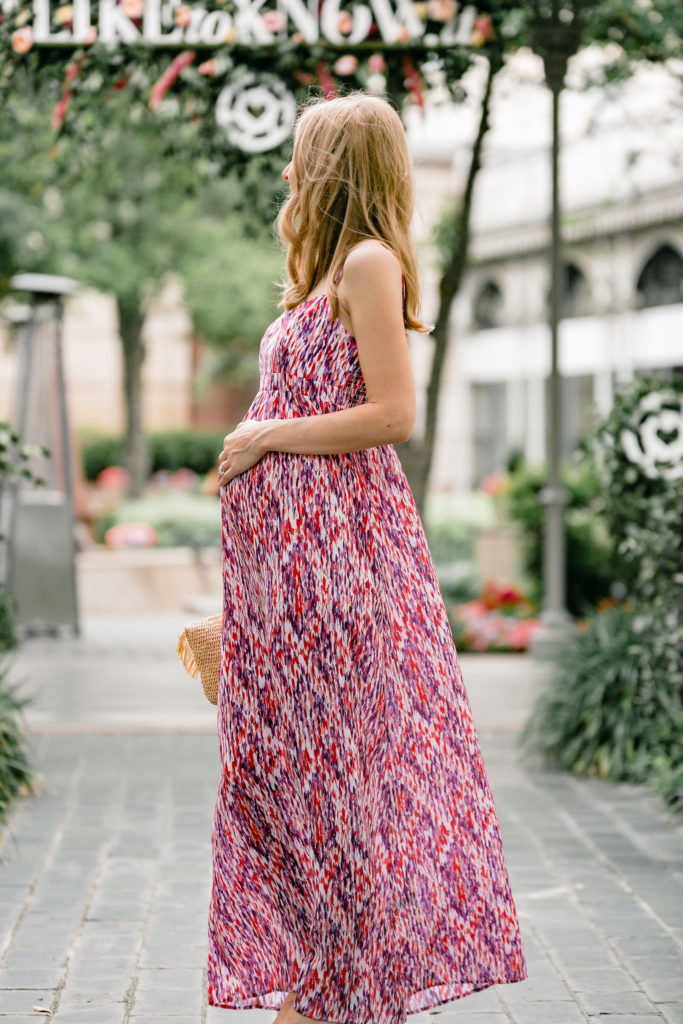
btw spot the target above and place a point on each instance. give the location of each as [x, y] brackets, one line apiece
[41, 24]
[306, 21]
[390, 23]
[114, 25]
[215, 27]
[151, 26]
[396, 20]
[329, 23]
[249, 22]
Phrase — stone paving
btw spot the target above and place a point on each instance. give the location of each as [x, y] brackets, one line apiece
[105, 874]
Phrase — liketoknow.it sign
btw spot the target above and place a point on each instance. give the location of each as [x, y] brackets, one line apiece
[157, 23]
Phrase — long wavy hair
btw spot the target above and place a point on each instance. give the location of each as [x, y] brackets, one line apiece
[354, 180]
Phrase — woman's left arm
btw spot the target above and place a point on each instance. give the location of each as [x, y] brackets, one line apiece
[373, 297]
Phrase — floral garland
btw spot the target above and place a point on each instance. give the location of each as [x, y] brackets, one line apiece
[185, 82]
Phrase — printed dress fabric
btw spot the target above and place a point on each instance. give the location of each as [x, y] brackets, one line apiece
[356, 850]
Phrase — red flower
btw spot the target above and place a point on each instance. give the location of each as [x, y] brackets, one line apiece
[57, 119]
[161, 87]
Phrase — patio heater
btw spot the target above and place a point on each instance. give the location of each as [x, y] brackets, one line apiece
[556, 37]
[39, 563]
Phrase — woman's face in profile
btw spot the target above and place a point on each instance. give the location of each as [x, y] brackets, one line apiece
[288, 175]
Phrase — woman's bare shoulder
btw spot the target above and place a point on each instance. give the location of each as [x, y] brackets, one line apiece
[371, 258]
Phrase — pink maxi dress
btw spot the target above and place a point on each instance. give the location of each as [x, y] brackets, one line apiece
[357, 857]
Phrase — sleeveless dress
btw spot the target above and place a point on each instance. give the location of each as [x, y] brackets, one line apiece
[357, 857]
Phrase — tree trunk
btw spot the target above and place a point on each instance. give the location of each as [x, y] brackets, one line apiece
[417, 456]
[131, 320]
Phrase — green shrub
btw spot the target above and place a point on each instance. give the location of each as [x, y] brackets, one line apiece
[16, 775]
[452, 523]
[8, 638]
[15, 770]
[458, 582]
[191, 449]
[104, 523]
[614, 704]
[590, 568]
[99, 450]
[638, 453]
[180, 519]
[179, 448]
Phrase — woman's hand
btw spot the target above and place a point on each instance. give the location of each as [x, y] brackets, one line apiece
[242, 449]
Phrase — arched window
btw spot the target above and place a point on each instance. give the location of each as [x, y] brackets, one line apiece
[661, 279]
[576, 295]
[488, 306]
[575, 292]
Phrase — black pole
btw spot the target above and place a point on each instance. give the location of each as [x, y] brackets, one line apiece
[556, 38]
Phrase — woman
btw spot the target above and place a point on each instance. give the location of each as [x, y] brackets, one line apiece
[358, 870]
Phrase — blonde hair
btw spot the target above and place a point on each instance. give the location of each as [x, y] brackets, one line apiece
[353, 180]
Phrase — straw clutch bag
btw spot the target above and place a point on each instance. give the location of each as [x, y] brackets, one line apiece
[199, 649]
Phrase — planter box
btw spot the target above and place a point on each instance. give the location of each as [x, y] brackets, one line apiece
[499, 553]
[148, 579]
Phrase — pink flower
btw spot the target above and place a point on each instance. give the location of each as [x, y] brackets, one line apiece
[112, 476]
[131, 535]
[183, 15]
[495, 484]
[57, 119]
[442, 10]
[209, 67]
[344, 22]
[90, 35]
[163, 84]
[133, 8]
[22, 40]
[521, 633]
[274, 21]
[73, 70]
[377, 62]
[484, 25]
[182, 479]
[325, 79]
[346, 65]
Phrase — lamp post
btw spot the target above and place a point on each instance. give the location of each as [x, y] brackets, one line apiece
[556, 37]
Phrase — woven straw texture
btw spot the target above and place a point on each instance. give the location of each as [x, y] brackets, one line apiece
[199, 649]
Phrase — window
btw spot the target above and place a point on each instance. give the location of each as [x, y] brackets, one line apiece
[488, 429]
[576, 298]
[661, 279]
[575, 292]
[488, 306]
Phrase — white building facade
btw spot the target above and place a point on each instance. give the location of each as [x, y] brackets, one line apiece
[622, 191]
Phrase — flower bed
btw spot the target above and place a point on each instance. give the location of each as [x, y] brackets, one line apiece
[499, 619]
